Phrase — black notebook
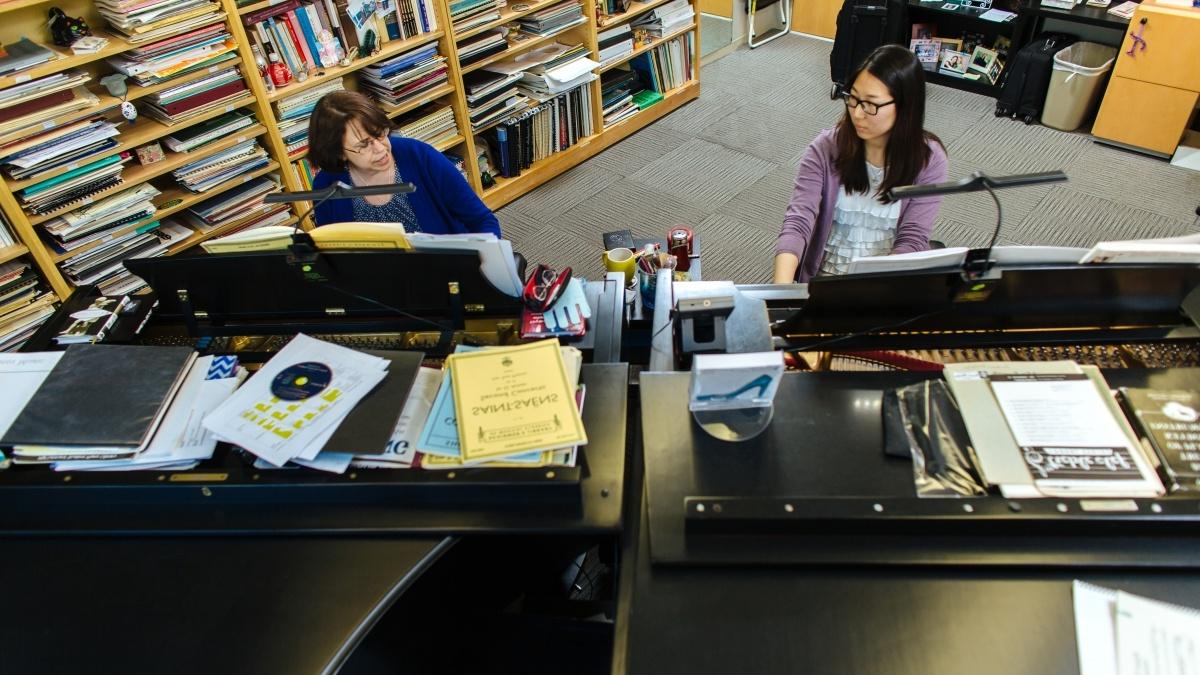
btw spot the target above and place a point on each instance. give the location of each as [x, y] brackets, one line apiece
[102, 396]
[368, 428]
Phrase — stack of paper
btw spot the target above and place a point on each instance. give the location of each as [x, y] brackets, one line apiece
[496, 260]
[666, 19]
[219, 128]
[103, 266]
[142, 21]
[405, 77]
[492, 96]
[1050, 429]
[617, 88]
[196, 49]
[1185, 249]
[534, 422]
[99, 402]
[181, 440]
[61, 192]
[24, 305]
[81, 105]
[241, 204]
[293, 113]
[35, 155]
[432, 124]
[23, 55]
[196, 97]
[41, 99]
[293, 405]
[553, 19]
[210, 171]
[553, 70]
[481, 46]
[468, 14]
[101, 219]
[1119, 633]
[615, 43]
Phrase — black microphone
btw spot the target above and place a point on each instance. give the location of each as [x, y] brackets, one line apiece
[978, 261]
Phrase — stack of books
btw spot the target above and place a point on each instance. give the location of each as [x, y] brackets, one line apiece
[102, 265]
[433, 124]
[492, 96]
[667, 66]
[468, 14]
[617, 88]
[242, 205]
[195, 98]
[31, 103]
[554, 19]
[196, 49]
[23, 55]
[208, 172]
[142, 21]
[666, 19]
[196, 137]
[615, 44]
[64, 191]
[405, 77]
[294, 111]
[481, 46]
[24, 306]
[103, 219]
[539, 132]
[81, 104]
[35, 155]
[6, 233]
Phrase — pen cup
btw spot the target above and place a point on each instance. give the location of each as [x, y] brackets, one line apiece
[648, 283]
[620, 260]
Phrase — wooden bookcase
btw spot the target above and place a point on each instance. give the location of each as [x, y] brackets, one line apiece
[28, 18]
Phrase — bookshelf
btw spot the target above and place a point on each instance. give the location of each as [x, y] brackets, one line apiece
[28, 18]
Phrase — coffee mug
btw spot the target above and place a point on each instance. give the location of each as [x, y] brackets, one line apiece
[620, 260]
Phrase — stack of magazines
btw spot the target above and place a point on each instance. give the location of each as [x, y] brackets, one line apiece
[239, 208]
[24, 306]
[405, 77]
[553, 19]
[110, 218]
[198, 48]
[468, 14]
[433, 124]
[197, 97]
[207, 172]
[142, 21]
[481, 46]
[294, 112]
[102, 265]
[37, 155]
[66, 190]
[199, 135]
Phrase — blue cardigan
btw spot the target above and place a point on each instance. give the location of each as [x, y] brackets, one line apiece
[444, 203]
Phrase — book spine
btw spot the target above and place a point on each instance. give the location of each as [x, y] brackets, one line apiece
[309, 32]
[298, 43]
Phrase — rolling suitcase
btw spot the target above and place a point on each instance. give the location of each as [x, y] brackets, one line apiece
[863, 25]
[1023, 87]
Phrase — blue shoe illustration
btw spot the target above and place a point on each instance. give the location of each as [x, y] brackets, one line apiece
[761, 383]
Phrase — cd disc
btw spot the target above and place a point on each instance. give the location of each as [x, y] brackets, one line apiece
[301, 381]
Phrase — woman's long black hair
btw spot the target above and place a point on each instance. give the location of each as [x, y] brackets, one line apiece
[908, 144]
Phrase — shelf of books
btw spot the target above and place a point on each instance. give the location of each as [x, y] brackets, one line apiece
[149, 114]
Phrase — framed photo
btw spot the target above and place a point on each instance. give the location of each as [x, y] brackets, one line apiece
[993, 73]
[951, 43]
[927, 52]
[982, 59]
[923, 31]
[954, 63]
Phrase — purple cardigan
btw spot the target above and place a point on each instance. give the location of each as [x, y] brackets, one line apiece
[809, 217]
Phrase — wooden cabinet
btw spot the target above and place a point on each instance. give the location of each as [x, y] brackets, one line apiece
[1153, 92]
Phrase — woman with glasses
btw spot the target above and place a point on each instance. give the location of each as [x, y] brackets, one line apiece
[348, 141]
[839, 209]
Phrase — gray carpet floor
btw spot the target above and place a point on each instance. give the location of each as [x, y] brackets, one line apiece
[725, 164]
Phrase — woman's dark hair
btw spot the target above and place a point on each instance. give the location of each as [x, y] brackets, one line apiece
[327, 126]
[908, 143]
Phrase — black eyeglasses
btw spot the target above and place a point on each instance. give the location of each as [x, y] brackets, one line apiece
[868, 107]
[366, 143]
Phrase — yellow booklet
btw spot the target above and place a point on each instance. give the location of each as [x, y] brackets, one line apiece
[514, 399]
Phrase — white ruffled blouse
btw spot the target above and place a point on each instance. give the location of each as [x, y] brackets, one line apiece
[862, 226]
